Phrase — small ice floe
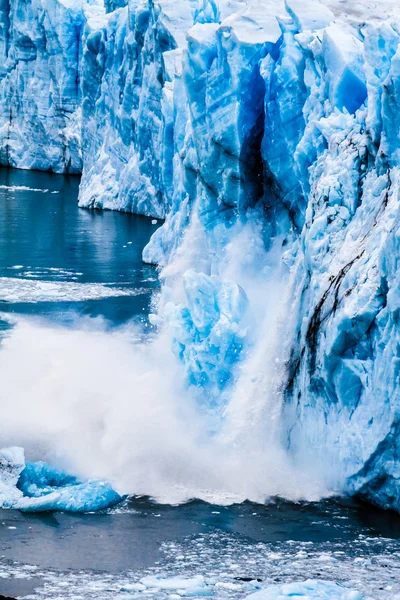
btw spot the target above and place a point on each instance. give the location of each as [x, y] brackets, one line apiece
[154, 222]
[309, 590]
[24, 188]
[187, 586]
[155, 320]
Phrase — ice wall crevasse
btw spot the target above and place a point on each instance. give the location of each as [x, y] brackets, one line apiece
[218, 96]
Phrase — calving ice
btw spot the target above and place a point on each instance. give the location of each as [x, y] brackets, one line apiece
[266, 133]
[37, 487]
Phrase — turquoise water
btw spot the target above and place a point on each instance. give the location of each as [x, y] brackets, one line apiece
[45, 237]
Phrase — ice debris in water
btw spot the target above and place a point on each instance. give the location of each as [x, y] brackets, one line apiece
[38, 487]
[30, 290]
[309, 590]
[188, 586]
[364, 563]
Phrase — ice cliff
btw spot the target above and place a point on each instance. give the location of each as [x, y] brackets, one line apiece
[40, 45]
[222, 115]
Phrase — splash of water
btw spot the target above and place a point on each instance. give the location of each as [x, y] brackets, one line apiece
[108, 406]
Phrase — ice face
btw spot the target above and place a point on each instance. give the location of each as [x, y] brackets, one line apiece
[39, 85]
[304, 123]
[38, 487]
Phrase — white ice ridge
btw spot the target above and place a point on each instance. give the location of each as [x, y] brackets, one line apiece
[28, 290]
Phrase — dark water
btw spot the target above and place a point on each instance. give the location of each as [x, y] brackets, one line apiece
[132, 538]
[345, 542]
[46, 239]
[44, 236]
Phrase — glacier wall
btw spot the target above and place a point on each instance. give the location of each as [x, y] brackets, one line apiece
[266, 134]
[40, 45]
[289, 111]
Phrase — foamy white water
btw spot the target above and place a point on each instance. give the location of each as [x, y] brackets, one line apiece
[101, 406]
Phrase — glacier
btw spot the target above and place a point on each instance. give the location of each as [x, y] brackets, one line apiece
[257, 130]
[39, 85]
[39, 487]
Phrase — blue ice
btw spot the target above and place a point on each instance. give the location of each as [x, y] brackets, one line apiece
[39, 487]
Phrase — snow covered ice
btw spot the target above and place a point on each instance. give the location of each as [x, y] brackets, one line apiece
[258, 130]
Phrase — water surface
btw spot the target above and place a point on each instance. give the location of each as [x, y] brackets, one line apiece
[45, 237]
[235, 548]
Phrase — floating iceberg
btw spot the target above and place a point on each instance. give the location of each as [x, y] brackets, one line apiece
[186, 586]
[309, 590]
[38, 487]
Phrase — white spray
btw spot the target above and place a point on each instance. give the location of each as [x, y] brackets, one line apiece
[105, 405]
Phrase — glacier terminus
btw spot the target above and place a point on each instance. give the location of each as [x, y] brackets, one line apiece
[266, 136]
